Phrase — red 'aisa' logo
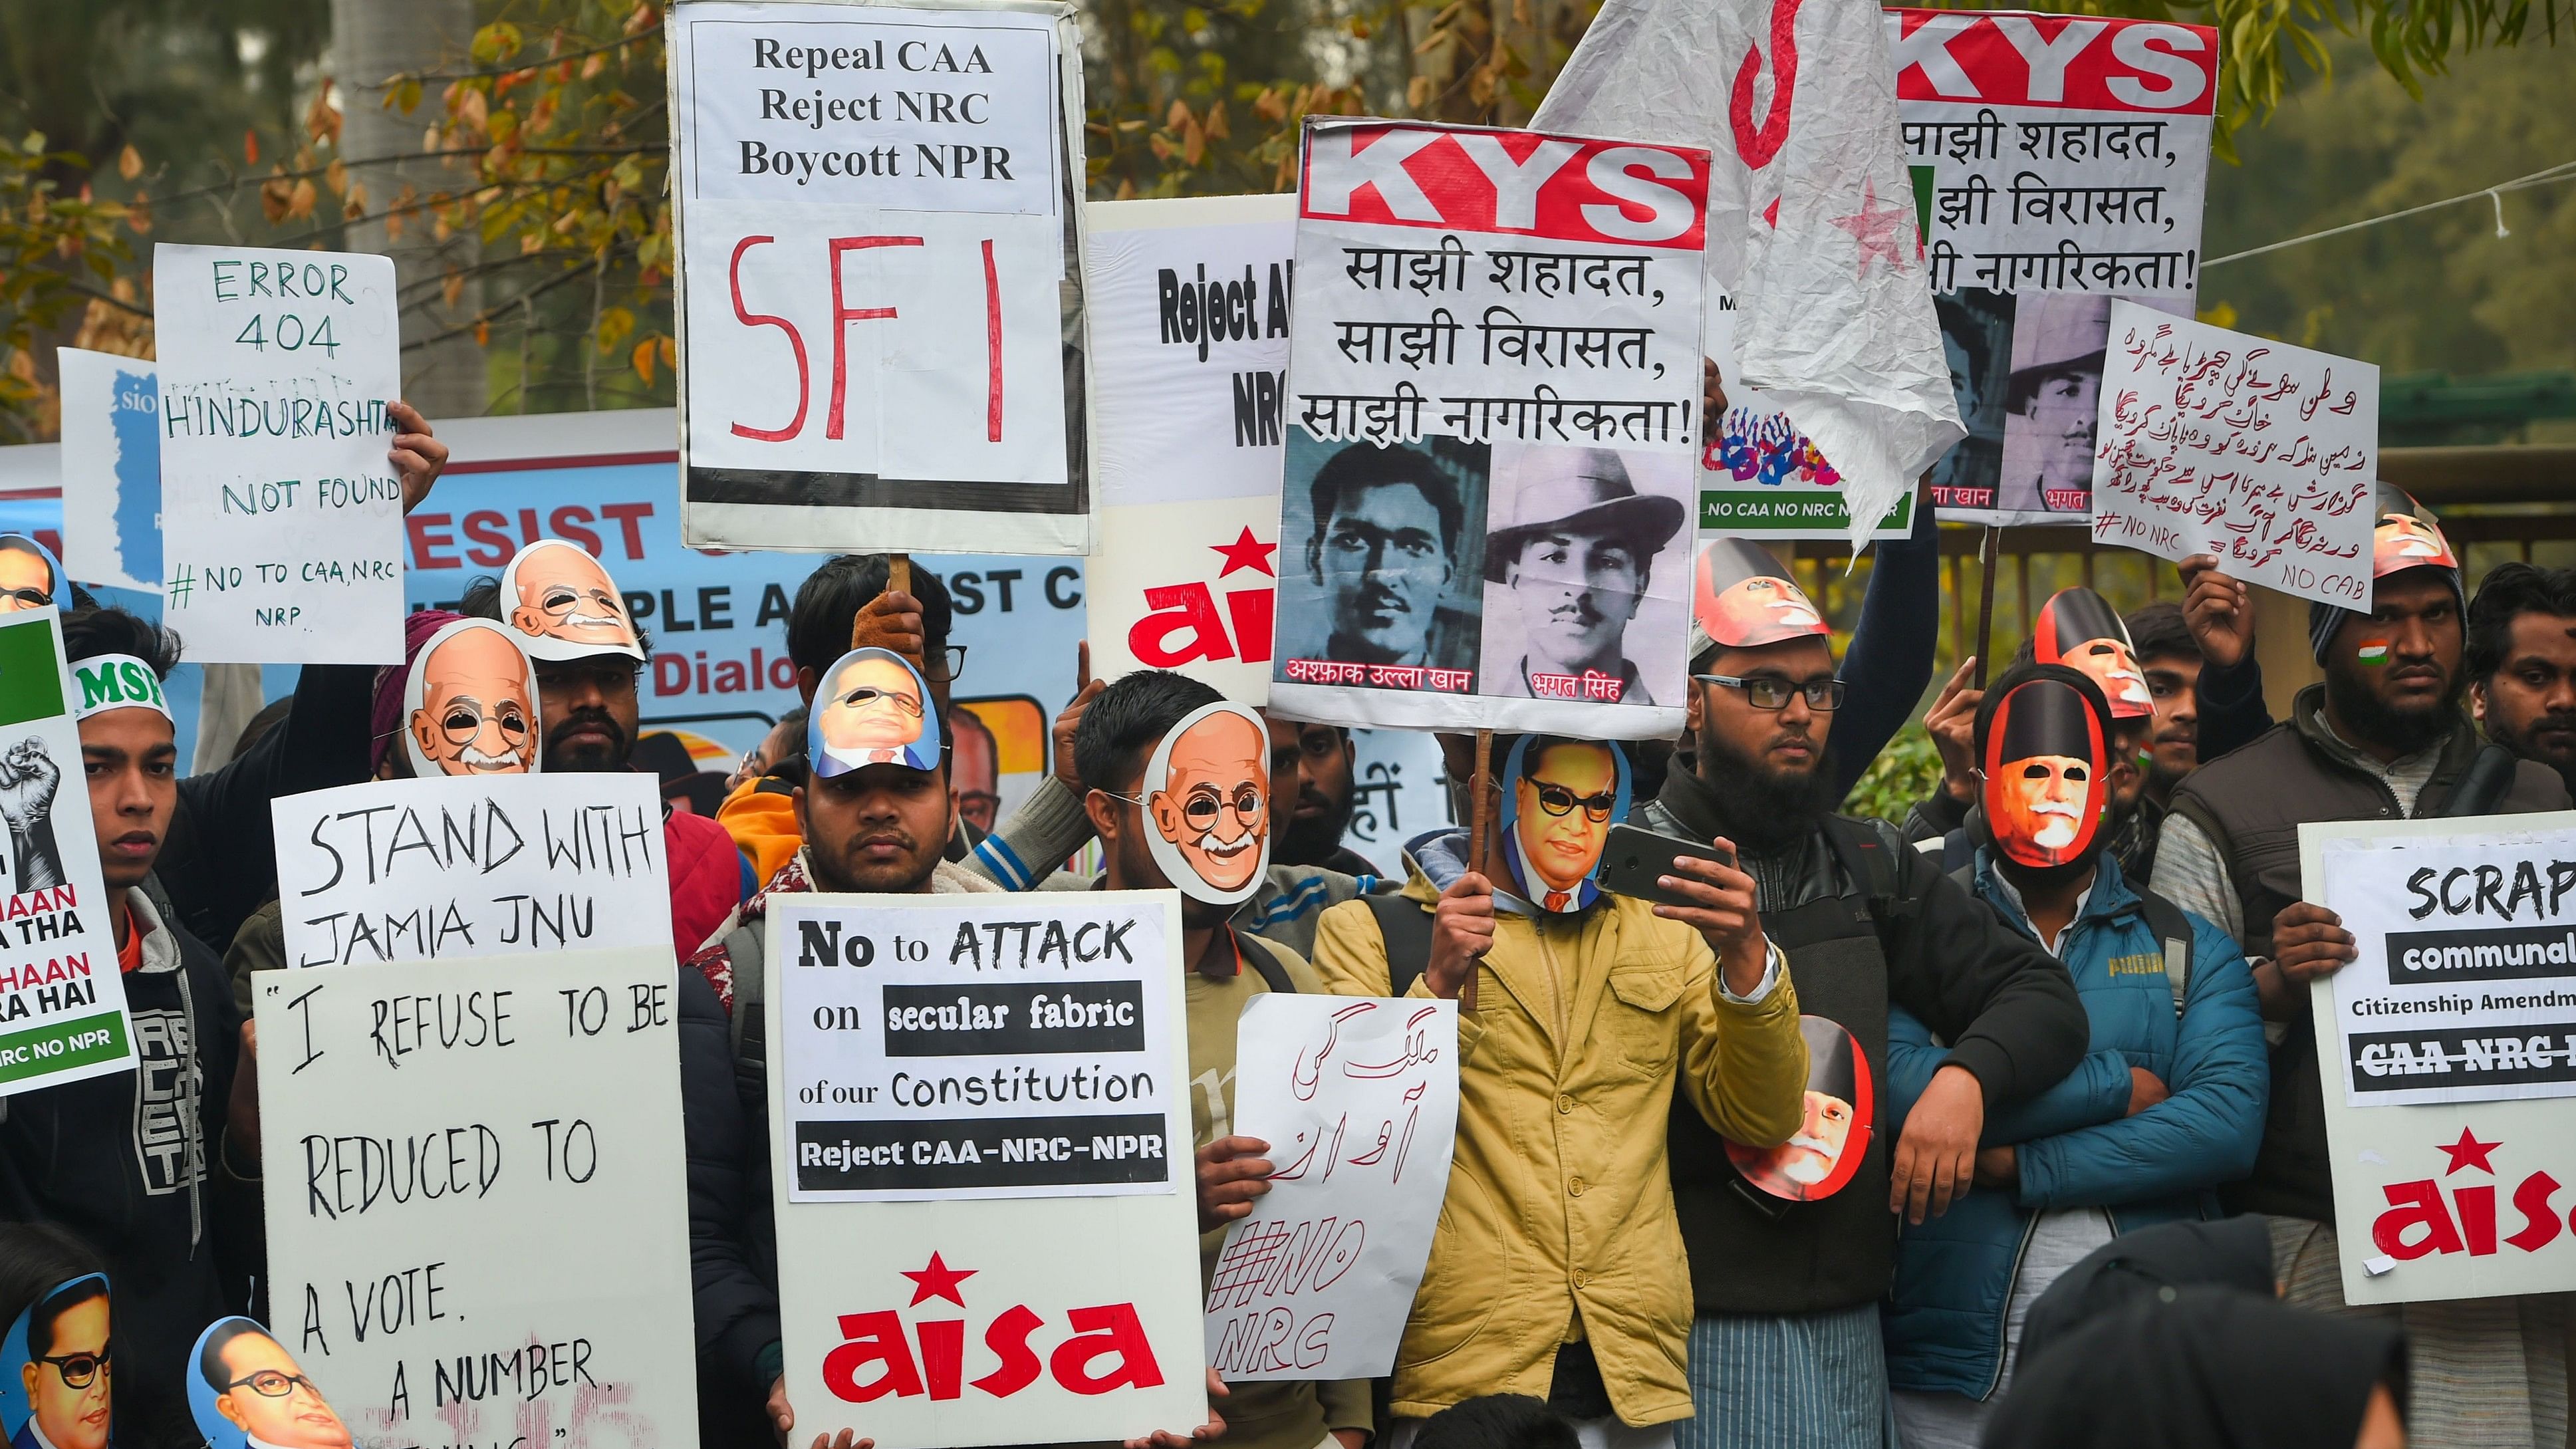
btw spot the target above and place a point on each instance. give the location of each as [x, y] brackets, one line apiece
[1185, 625]
[876, 1343]
[2419, 1221]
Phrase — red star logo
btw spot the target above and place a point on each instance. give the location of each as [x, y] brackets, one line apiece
[2468, 1152]
[1875, 228]
[1246, 552]
[937, 1281]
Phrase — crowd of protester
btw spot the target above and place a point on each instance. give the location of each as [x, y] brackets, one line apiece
[2092, 1204]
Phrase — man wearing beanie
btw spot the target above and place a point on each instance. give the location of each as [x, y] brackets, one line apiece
[2382, 738]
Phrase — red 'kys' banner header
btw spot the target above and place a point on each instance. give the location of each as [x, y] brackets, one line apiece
[1516, 183]
[2079, 63]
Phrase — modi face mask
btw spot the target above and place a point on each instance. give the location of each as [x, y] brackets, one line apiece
[1741, 598]
[2046, 777]
[872, 708]
[470, 704]
[1560, 798]
[2079, 629]
[563, 605]
[1206, 797]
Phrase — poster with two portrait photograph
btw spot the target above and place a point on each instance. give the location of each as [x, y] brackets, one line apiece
[1492, 437]
[2059, 162]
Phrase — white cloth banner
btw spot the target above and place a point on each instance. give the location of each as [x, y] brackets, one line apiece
[872, 206]
[2256, 451]
[111, 470]
[1494, 420]
[1811, 223]
[276, 369]
[1358, 1100]
[62, 999]
[2062, 161]
[478, 1220]
[982, 1176]
[2449, 1047]
[1189, 350]
[427, 869]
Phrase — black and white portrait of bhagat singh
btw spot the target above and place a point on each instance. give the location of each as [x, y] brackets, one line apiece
[1572, 610]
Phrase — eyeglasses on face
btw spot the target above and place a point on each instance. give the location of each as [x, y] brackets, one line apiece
[1201, 807]
[28, 598]
[464, 719]
[563, 599]
[954, 658]
[79, 1370]
[866, 695]
[1557, 800]
[1763, 691]
[270, 1384]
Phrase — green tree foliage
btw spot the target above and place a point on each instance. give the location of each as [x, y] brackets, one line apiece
[2437, 291]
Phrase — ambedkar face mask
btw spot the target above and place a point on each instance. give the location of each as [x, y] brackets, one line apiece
[2079, 629]
[1560, 799]
[1206, 799]
[54, 1368]
[2045, 778]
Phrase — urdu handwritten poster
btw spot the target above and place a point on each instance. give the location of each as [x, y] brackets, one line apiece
[1358, 1099]
[2256, 451]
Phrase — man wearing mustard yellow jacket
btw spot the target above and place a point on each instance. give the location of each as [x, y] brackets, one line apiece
[1557, 1268]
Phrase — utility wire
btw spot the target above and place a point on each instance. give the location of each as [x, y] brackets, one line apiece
[2563, 171]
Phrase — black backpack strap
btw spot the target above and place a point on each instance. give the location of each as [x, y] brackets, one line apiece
[1405, 929]
[1274, 972]
[2173, 932]
[1867, 857]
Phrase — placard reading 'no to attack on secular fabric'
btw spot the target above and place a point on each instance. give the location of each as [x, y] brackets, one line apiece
[282, 513]
[477, 1201]
[1013, 1047]
[982, 1172]
[425, 869]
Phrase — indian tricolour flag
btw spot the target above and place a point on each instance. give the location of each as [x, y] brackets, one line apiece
[2374, 652]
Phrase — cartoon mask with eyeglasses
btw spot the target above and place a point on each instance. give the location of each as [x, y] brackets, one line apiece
[872, 709]
[1561, 798]
[470, 704]
[563, 605]
[29, 576]
[245, 1391]
[1207, 792]
[56, 1367]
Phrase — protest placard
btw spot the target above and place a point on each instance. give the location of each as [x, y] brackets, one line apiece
[872, 204]
[2449, 1046]
[980, 1101]
[276, 371]
[458, 865]
[476, 1197]
[2259, 452]
[111, 470]
[1759, 477]
[2058, 161]
[1358, 1100]
[1189, 345]
[62, 1001]
[1494, 396]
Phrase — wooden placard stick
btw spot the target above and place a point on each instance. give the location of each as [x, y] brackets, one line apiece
[898, 581]
[1479, 829]
[1986, 549]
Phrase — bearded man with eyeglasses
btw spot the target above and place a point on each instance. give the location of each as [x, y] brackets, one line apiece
[1865, 924]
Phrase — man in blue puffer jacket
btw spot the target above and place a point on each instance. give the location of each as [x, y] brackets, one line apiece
[2167, 1104]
